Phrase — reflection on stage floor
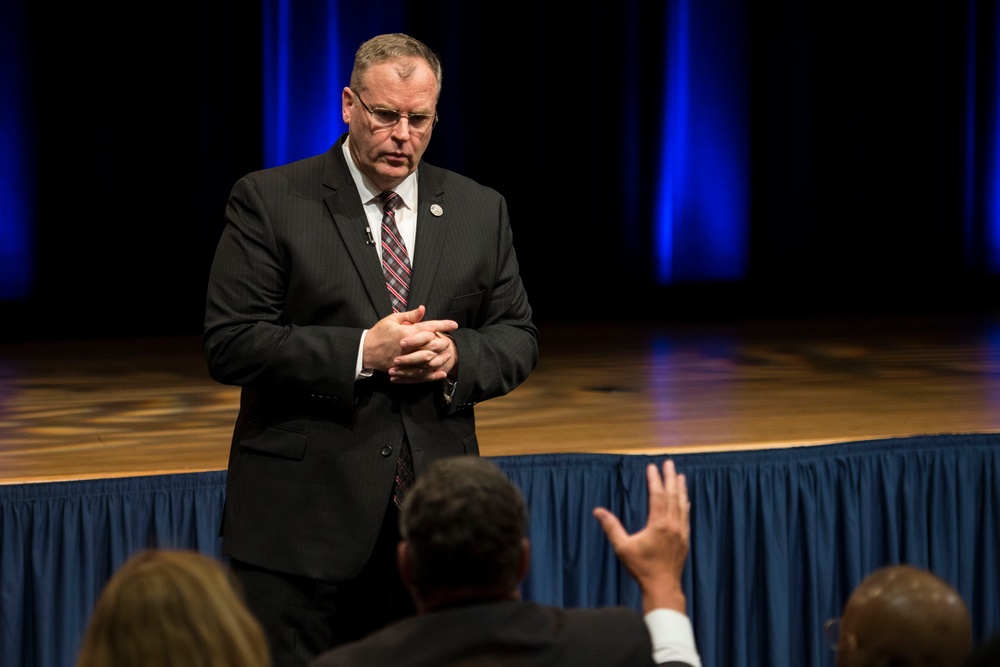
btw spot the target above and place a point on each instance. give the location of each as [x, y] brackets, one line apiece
[83, 409]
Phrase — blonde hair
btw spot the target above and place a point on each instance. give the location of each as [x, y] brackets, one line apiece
[172, 608]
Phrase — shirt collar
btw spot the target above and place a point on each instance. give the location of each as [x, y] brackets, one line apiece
[407, 190]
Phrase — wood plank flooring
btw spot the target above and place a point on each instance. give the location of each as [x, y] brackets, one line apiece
[81, 409]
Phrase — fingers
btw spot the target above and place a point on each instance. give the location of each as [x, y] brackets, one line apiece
[410, 316]
[418, 378]
[682, 492]
[674, 483]
[406, 341]
[427, 350]
[415, 318]
[424, 363]
[678, 503]
[612, 527]
[653, 479]
[419, 368]
[657, 551]
[669, 478]
[427, 336]
[668, 496]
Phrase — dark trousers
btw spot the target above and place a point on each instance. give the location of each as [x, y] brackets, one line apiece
[304, 617]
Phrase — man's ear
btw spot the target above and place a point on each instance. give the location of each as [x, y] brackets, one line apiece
[403, 563]
[346, 104]
[525, 559]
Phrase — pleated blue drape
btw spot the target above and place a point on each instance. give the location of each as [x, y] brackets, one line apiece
[60, 541]
[779, 538]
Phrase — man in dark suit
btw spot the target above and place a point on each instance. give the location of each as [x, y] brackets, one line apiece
[465, 552]
[365, 302]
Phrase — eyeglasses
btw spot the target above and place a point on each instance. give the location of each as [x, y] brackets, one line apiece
[383, 118]
[831, 631]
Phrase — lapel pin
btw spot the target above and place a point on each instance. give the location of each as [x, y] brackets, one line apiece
[436, 210]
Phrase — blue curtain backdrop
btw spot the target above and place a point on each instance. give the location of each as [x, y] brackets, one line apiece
[702, 224]
[720, 155]
[779, 538]
[16, 158]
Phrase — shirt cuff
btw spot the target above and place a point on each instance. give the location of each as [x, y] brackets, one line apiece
[360, 372]
[672, 636]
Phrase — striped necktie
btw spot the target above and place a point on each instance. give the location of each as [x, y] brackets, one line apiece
[395, 259]
[396, 267]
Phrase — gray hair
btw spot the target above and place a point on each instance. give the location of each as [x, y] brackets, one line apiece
[395, 47]
[464, 521]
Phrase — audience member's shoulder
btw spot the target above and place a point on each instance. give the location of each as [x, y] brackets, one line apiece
[608, 614]
[986, 654]
[622, 624]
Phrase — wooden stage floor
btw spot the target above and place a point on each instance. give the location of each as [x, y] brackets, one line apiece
[82, 409]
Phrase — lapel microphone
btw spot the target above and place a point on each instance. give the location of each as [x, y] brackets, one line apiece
[371, 239]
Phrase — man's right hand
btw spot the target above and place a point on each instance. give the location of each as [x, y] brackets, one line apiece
[656, 555]
[383, 344]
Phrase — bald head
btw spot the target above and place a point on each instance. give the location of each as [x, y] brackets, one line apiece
[904, 616]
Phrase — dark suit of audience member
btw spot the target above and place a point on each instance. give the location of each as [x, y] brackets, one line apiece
[986, 654]
[465, 553]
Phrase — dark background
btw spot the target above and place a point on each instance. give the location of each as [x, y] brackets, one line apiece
[864, 195]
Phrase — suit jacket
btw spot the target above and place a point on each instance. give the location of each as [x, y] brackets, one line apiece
[293, 283]
[504, 634]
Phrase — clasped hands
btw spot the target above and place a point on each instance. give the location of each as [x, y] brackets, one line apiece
[411, 349]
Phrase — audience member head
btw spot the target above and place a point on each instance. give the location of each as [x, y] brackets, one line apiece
[165, 608]
[464, 534]
[904, 616]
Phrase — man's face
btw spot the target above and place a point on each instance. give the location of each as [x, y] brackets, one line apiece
[387, 154]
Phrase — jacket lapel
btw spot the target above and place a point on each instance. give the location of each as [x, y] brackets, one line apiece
[432, 227]
[344, 204]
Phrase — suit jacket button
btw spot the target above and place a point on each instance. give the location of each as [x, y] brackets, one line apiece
[387, 451]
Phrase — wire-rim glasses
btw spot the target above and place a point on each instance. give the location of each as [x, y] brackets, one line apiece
[383, 118]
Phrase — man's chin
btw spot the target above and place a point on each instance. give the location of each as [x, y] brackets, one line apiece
[394, 173]
[395, 164]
